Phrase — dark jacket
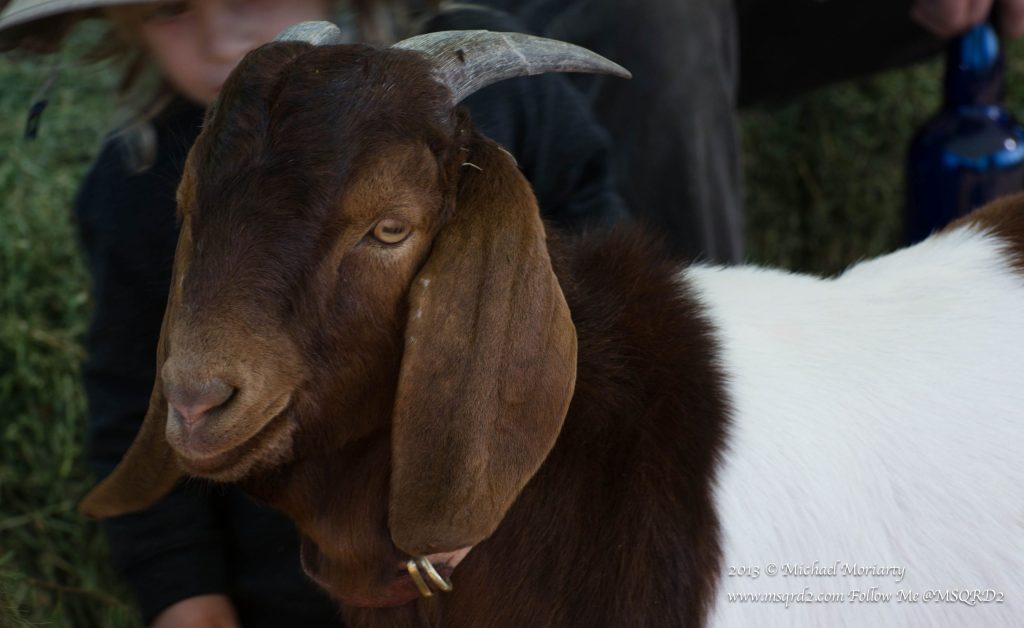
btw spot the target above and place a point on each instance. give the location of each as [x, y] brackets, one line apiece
[208, 539]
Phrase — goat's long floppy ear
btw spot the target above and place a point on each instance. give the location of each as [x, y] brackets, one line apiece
[149, 469]
[147, 472]
[489, 365]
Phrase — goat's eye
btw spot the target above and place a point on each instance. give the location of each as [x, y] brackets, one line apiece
[391, 231]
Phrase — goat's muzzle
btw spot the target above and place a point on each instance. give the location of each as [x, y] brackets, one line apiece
[228, 402]
[194, 402]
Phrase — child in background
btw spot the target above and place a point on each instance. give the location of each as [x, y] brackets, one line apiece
[207, 555]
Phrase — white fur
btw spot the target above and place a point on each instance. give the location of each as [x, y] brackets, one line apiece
[878, 419]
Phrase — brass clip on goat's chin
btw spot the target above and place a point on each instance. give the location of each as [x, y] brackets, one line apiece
[413, 566]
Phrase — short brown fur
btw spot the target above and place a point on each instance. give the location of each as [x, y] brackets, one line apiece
[605, 519]
[1003, 218]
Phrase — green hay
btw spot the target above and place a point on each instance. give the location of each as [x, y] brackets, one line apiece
[53, 567]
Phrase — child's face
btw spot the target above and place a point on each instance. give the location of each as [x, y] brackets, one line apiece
[197, 43]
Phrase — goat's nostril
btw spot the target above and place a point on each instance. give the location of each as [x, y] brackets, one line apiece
[193, 402]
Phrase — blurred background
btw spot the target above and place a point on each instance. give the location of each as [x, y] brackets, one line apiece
[824, 188]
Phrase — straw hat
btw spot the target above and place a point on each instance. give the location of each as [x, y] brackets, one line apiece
[40, 25]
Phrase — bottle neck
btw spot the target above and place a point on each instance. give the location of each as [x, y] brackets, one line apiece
[975, 69]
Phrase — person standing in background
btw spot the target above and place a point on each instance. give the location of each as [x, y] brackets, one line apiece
[694, 62]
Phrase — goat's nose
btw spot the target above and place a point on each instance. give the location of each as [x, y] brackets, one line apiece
[194, 402]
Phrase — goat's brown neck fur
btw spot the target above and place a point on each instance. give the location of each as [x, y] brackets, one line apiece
[1003, 218]
[622, 504]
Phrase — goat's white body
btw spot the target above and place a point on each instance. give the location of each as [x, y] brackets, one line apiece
[878, 421]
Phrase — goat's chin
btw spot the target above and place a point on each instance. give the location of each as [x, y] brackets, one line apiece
[271, 447]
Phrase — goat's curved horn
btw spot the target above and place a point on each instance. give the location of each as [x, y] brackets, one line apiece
[466, 61]
[316, 33]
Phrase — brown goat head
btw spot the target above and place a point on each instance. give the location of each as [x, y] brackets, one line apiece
[356, 267]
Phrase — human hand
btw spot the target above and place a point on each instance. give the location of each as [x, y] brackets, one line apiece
[948, 18]
[201, 611]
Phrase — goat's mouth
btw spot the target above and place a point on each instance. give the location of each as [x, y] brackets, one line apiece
[270, 446]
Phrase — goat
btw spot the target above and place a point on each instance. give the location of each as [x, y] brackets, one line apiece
[370, 329]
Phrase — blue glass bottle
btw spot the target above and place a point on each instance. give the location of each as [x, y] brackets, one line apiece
[972, 151]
